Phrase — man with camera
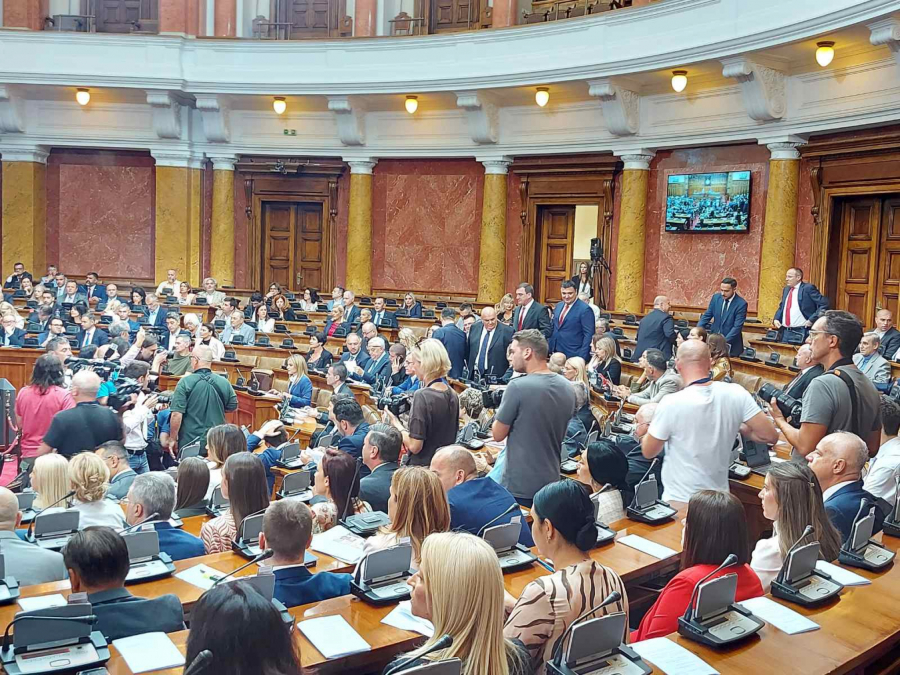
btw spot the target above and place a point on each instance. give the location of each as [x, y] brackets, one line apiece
[842, 398]
[532, 418]
[179, 362]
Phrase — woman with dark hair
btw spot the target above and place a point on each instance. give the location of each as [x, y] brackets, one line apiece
[719, 351]
[243, 631]
[222, 441]
[36, 405]
[680, 336]
[335, 482]
[192, 482]
[698, 333]
[138, 298]
[318, 358]
[604, 467]
[79, 309]
[244, 486]
[564, 531]
[281, 310]
[207, 336]
[715, 527]
[583, 281]
[310, 300]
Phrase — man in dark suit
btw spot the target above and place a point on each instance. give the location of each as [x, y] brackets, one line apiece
[810, 369]
[351, 310]
[890, 336]
[156, 314]
[287, 530]
[726, 314]
[11, 336]
[154, 492]
[381, 452]
[488, 342]
[56, 328]
[380, 315]
[454, 341]
[90, 334]
[572, 325]
[838, 462]
[354, 354]
[95, 291]
[352, 425]
[377, 368]
[656, 330]
[97, 560]
[529, 313]
[801, 303]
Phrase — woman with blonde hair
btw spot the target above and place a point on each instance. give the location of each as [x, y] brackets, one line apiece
[89, 478]
[604, 361]
[718, 351]
[417, 507]
[50, 480]
[575, 370]
[222, 441]
[300, 388]
[434, 416]
[474, 619]
[412, 306]
[505, 309]
[407, 338]
[335, 320]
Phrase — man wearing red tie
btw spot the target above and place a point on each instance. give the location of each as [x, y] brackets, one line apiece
[801, 303]
[572, 324]
[530, 313]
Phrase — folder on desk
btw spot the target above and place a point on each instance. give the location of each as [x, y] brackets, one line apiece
[333, 637]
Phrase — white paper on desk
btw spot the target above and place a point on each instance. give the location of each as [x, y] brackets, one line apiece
[201, 576]
[340, 543]
[783, 618]
[150, 651]
[672, 658]
[840, 575]
[402, 617]
[42, 602]
[333, 636]
[315, 454]
[647, 546]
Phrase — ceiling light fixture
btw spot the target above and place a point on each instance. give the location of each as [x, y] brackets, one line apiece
[279, 104]
[679, 80]
[824, 53]
[542, 96]
[83, 96]
[412, 104]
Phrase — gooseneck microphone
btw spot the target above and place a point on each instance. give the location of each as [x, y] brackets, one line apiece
[511, 509]
[65, 497]
[90, 619]
[689, 612]
[808, 530]
[128, 529]
[265, 555]
[201, 662]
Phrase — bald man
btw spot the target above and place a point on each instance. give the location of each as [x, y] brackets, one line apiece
[656, 330]
[85, 426]
[488, 340]
[28, 564]
[838, 462]
[810, 369]
[698, 425]
[474, 502]
[889, 335]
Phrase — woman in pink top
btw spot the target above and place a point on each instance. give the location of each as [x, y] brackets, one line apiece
[36, 405]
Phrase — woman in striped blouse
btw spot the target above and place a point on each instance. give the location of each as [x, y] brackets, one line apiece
[564, 531]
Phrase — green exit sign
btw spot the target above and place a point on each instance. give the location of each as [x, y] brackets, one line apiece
[290, 132]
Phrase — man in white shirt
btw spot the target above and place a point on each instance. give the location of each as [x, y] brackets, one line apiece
[872, 364]
[698, 426]
[881, 480]
[137, 419]
[586, 299]
[171, 285]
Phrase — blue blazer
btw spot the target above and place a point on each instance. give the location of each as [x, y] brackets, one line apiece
[178, 543]
[455, 342]
[17, 339]
[353, 445]
[99, 293]
[380, 369]
[298, 586]
[301, 392]
[99, 338]
[390, 317]
[477, 502]
[656, 331]
[408, 386]
[573, 338]
[731, 325]
[362, 357]
[415, 312]
[352, 316]
[843, 506]
[269, 457]
[161, 315]
[812, 303]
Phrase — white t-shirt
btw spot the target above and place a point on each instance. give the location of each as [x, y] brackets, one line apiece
[699, 425]
[881, 480]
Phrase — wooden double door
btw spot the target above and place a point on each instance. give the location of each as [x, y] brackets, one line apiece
[293, 246]
[448, 16]
[556, 235]
[125, 16]
[866, 272]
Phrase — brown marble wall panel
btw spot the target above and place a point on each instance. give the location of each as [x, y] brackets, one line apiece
[101, 213]
[340, 232]
[514, 231]
[687, 268]
[805, 223]
[241, 235]
[426, 225]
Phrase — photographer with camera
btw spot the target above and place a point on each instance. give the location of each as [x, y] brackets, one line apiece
[179, 362]
[434, 417]
[532, 418]
[137, 418]
[842, 398]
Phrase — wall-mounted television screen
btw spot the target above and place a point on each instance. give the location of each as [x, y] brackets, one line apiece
[708, 202]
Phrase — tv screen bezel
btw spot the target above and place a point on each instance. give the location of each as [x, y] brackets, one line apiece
[666, 229]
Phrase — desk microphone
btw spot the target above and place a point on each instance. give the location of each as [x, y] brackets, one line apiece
[359, 463]
[31, 524]
[511, 509]
[90, 619]
[806, 532]
[128, 529]
[556, 659]
[643, 478]
[444, 642]
[689, 612]
[201, 662]
[265, 555]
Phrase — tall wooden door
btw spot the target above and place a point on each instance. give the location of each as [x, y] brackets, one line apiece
[310, 18]
[127, 16]
[557, 231]
[293, 244]
[869, 265]
[453, 15]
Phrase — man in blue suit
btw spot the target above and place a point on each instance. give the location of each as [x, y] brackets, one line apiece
[726, 314]
[573, 324]
[156, 314]
[656, 330]
[11, 336]
[287, 530]
[380, 315]
[154, 492]
[89, 333]
[454, 341]
[354, 354]
[351, 309]
[95, 291]
[838, 462]
[801, 303]
[378, 368]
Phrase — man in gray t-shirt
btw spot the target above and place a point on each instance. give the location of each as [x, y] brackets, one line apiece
[532, 418]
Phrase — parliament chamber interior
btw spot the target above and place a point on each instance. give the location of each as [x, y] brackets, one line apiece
[453, 337]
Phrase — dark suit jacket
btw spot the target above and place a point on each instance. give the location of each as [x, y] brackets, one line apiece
[120, 614]
[160, 315]
[497, 363]
[538, 317]
[298, 586]
[890, 343]
[477, 502]
[353, 315]
[375, 370]
[414, 312]
[362, 357]
[656, 331]
[17, 339]
[376, 487]
[99, 338]
[573, 338]
[178, 543]
[454, 341]
[812, 303]
[390, 317]
[798, 385]
[731, 325]
[99, 292]
[843, 506]
[324, 361]
[353, 445]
